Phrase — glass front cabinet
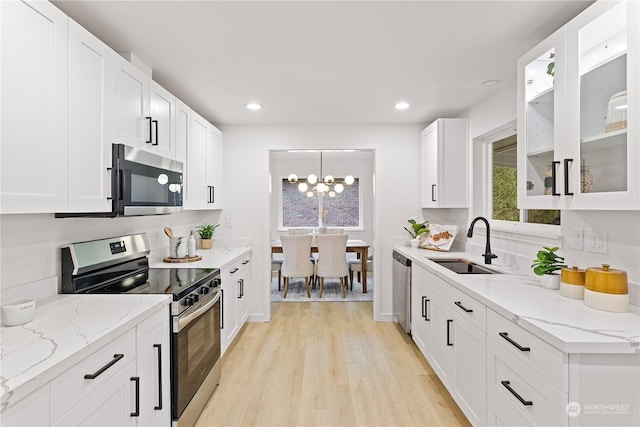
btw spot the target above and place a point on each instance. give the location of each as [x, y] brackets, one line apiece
[579, 111]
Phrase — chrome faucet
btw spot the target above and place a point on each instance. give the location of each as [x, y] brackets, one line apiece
[488, 256]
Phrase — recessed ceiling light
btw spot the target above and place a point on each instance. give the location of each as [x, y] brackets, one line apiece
[254, 106]
[490, 82]
[402, 105]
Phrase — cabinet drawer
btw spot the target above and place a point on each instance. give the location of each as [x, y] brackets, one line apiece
[545, 359]
[70, 387]
[437, 286]
[468, 308]
[521, 392]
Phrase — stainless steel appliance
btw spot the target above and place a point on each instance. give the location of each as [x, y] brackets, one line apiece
[402, 290]
[120, 265]
[142, 183]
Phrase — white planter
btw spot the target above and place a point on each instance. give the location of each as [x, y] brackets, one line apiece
[550, 281]
[414, 243]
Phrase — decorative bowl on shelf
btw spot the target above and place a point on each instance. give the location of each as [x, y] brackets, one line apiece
[616, 112]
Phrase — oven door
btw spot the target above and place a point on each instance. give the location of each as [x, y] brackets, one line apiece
[150, 184]
[195, 349]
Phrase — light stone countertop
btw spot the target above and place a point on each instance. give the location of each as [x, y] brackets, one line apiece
[565, 323]
[216, 257]
[66, 329]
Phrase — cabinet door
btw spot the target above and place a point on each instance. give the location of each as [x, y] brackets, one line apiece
[152, 336]
[90, 121]
[429, 166]
[163, 116]
[245, 291]
[602, 93]
[231, 293]
[183, 117]
[34, 53]
[214, 167]
[131, 109]
[421, 304]
[442, 345]
[197, 192]
[541, 124]
[470, 380]
[112, 404]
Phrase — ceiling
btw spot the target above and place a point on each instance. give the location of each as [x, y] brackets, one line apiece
[325, 61]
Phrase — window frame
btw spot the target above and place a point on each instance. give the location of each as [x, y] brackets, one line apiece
[520, 227]
[359, 227]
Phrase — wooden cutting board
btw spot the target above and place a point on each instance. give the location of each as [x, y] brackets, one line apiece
[185, 259]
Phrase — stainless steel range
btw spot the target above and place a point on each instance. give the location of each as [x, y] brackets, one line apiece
[120, 265]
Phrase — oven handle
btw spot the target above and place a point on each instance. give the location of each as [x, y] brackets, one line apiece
[184, 321]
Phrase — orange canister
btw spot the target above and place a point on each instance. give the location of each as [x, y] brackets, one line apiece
[606, 289]
[572, 282]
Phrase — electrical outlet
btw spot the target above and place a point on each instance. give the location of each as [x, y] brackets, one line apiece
[577, 238]
[228, 222]
[597, 242]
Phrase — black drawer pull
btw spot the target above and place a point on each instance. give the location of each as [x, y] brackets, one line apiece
[136, 413]
[466, 310]
[512, 391]
[95, 375]
[233, 271]
[159, 407]
[449, 322]
[518, 346]
[245, 262]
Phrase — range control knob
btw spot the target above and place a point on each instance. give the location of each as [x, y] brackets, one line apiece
[204, 290]
[195, 297]
[188, 301]
[216, 282]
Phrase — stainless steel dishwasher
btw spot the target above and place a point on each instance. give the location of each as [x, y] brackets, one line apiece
[402, 290]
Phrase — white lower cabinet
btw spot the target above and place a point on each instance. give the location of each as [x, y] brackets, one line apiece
[29, 411]
[235, 301]
[421, 311]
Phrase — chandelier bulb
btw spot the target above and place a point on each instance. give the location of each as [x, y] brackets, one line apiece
[303, 186]
[312, 179]
[349, 179]
[329, 179]
[309, 193]
[339, 188]
[332, 193]
[293, 178]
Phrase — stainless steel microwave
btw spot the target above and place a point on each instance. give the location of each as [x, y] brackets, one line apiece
[142, 183]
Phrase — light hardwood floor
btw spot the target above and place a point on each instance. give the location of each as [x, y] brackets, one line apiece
[327, 364]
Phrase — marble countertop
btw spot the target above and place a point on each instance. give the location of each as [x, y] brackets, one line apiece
[66, 328]
[216, 257]
[565, 323]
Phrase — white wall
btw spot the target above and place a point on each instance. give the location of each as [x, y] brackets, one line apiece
[396, 190]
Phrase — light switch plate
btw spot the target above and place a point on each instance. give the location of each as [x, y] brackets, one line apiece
[577, 238]
[596, 241]
[228, 221]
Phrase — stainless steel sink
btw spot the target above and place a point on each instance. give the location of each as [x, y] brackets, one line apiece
[464, 266]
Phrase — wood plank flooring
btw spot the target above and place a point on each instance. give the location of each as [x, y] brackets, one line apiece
[327, 364]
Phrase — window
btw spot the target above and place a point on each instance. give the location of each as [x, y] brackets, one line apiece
[343, 210]
[504, 188]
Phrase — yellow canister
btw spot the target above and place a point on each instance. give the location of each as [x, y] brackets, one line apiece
[606, 289]
[572, 283]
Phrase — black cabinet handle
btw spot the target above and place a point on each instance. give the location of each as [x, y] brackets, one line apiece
[449, 322]
[159, 407]
[512, 391]
[150, 130]
[221, 308]
[233, 271]
[515, 344]
[136, 413]
[424, 308]
[213, 194]
[566, 177]
[433, 192]
[245, 262]
[466, 310]
[155, 124]
[242, 288]
[96, 374]
[554, 188]
[239, 289]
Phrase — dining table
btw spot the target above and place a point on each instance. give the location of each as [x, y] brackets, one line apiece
[359, 247]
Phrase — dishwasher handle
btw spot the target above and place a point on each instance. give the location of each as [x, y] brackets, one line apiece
[401, 259]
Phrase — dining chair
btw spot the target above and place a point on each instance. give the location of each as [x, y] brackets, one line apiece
[355, 266]
[332, 261]
[335, 230]
[276, 265]
[296, 249]
[299, 231]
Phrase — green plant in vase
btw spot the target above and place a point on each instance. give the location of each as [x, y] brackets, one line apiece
[417, 229]
[206, 231]
[546, 264]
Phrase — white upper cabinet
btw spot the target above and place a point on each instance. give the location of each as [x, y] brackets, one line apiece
[90, 129]
[163, 118]
[575, 145]
[203, 184]
[444, 164]
[34, 54]
[132, 125]
[183, 118]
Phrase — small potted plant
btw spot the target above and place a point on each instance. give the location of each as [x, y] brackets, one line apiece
[206, 234]
[546, 264]
[417, 228]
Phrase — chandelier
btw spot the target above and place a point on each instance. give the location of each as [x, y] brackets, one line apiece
[322, 185]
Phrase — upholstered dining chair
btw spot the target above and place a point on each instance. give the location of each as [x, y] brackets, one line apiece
[296, 249]
[355, 266]
[276, 266]
[335, 230]
[299, 231]
[332, 261]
